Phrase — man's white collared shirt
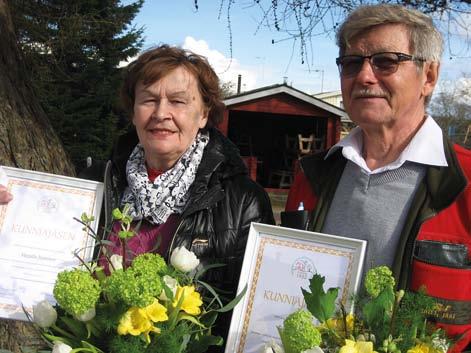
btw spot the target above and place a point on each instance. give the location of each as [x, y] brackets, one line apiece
[426, 147]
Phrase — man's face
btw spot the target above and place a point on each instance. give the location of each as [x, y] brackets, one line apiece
[375, 99]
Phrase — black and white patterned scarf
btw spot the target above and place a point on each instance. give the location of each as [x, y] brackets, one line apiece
[169, 192]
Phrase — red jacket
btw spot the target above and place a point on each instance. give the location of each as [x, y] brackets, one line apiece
[447, 223]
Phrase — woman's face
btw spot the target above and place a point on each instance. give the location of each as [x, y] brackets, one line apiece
[167, 117]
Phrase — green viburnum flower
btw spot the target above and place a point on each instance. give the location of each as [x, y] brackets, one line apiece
[135, 288]
[377, 279]
[149, 264]
[299, 333]
[76, 291]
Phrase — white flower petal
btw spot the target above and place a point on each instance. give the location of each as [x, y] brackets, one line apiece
[272, 347]
[184, 260]
[60, 347]
[116, 262]
[44, 314]
[171, 283]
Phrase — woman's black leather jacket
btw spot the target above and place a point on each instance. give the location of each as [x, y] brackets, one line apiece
[223, 202]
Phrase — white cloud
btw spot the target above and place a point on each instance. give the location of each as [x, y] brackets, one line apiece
[227, 69]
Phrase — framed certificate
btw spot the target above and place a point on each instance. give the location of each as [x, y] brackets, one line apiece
[39, 236]
[279, 261]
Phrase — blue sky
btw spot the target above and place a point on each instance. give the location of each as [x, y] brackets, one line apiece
[254, 56]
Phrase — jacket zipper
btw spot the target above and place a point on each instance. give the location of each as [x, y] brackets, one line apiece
[169, 251]
[174, 236]
[432, 214]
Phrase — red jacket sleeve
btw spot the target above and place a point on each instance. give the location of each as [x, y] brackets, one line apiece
[301, 191]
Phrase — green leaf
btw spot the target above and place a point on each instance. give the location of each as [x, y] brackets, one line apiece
[123, 234]
[127, 219]
[116, 213]
[229, 306]
[201, 345]
[168, 291]
[212, 291]
[86, 219]
[172, 319]
[191, 319]
[321, 304]
[106, 242]
[52, 339]
[76, 327]
[92, 347]
[378, 310]
[209, 318]
[203, 270]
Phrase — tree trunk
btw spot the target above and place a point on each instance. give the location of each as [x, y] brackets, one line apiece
[27, 141]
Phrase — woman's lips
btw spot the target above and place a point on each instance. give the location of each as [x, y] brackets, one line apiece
[160, 132]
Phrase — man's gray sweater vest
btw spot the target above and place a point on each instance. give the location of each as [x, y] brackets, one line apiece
[373, 207]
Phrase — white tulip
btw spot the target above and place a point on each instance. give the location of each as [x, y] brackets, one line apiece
[60, 347]
[272, 347]
[44, 314]
[116, 262]
[87, 316]
[171, 283]
[184, 260]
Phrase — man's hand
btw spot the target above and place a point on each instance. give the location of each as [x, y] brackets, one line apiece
[5, 196]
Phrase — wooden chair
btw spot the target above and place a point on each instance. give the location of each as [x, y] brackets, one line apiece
[283, 177]
[306, 144]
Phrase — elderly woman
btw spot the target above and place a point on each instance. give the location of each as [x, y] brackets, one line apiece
[181, 176]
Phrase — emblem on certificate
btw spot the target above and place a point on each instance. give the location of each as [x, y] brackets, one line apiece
[39, 235]
[279, 261]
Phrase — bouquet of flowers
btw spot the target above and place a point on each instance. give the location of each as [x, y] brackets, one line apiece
[143, 305]
[385, 320]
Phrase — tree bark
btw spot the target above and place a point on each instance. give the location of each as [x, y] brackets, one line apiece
[27, 141]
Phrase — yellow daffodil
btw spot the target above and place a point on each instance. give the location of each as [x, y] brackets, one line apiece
[134, 322]
[338, 324]
[421, 348]
[357, 347]
[191, 300]
[156, 311]
[138, 321]
[152, 329]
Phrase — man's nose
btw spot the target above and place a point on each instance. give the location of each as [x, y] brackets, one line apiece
[366, 73]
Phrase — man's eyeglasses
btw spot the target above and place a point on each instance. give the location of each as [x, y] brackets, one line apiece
[384, 63]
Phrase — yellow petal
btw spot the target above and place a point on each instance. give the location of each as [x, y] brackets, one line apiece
[124, 324]
[364, 347]
[420, 348]
[134, 322]
[147, 333]
[156, 311]
[350, 320]
[349, 347]
[191, 300]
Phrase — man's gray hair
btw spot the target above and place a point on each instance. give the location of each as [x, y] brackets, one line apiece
[425, 40]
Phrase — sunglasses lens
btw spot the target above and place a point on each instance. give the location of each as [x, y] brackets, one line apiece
[385, 62]
[351, 65]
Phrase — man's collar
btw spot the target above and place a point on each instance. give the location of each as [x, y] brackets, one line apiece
[426, 147]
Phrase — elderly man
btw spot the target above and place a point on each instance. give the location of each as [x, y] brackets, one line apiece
[395, 180]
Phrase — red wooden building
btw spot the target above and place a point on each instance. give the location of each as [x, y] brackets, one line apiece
[267, 123]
